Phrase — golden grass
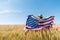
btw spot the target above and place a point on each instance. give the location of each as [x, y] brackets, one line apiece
[15, 32]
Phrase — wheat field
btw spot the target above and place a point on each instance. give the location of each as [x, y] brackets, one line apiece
[16, 32]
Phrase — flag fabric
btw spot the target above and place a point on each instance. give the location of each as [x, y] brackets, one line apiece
[34, 24]
[31, 22]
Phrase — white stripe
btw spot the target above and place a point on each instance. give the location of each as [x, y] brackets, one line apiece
[50, 18]
[45, 23]
[37, 28]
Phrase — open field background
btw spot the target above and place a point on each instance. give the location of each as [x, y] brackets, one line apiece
[16, 32]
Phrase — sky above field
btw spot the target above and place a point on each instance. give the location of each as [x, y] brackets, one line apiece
[16, 11]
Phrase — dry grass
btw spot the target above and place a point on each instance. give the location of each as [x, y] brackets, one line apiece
[15, 32]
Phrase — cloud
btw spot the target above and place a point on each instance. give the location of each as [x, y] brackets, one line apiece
[10, 11]
[6, 7]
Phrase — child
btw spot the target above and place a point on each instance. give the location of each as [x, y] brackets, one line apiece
[40, 17]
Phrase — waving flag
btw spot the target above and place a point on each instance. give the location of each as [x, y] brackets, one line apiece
[34, 24]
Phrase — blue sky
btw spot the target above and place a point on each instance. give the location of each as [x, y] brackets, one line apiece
[16, 11]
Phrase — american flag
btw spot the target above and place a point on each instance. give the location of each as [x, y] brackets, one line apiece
[34, 24]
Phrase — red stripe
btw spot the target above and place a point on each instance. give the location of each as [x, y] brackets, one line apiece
[44, 26]
[45, 23]
[51, 18]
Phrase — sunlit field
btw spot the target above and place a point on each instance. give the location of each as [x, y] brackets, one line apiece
[16, 32]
